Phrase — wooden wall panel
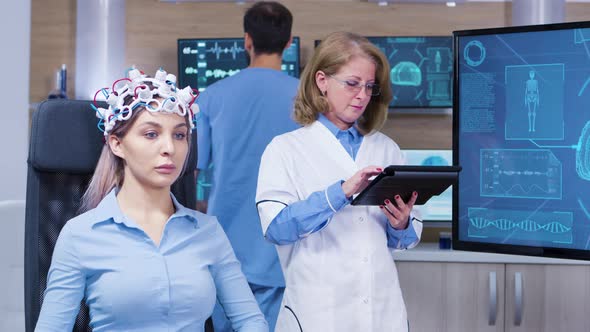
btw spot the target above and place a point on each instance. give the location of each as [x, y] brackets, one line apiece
[151, 45]
[577, 12]
[53, 37]
[154, 26]
[420, 131]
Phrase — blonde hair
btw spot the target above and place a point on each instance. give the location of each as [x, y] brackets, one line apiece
[334, 52]
[110, 169]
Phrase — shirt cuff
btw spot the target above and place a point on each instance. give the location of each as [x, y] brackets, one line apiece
[402, 237]
[335, 196]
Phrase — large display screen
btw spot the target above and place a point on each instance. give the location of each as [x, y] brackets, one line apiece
[522, 135]
[439, 208]
[204, 61]
[421, 70]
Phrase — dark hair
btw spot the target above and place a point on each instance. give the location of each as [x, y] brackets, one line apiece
[269, 25]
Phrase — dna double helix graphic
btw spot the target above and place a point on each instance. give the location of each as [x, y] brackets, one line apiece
[526, 225]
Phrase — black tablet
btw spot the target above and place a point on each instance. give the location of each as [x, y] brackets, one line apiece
[428, 181]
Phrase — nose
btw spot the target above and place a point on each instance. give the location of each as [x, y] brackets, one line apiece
[363, 92]
[168, 147]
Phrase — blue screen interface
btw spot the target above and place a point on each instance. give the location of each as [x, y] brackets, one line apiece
[524, 138]
[202, 62]
[421, 70]
[438, 208]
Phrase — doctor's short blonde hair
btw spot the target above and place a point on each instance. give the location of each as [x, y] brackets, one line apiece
[334, 52]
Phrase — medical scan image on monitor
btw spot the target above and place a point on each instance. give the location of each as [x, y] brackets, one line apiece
[438, 208]
[522, 135]
[421, 70]
[204, 61]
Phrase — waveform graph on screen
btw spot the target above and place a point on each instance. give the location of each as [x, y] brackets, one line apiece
[204, 61]
[220, 73]
[521, 225]
[535, 101]
[520, 173]
[219, 59]
[227, 49]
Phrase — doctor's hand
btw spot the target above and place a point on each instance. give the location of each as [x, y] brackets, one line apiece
[398, 214]
[360, 180]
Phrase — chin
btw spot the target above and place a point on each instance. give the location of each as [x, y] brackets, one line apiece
[163, 182]
[352, 119]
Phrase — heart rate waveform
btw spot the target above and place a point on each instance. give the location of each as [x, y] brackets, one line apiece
[234, 50]
[220, 73]
[520, 174]
[518, 225]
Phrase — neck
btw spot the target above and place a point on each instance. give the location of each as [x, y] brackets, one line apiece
[139, 202]
[337, 122]
[271, 61]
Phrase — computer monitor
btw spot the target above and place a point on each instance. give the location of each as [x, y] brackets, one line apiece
[439, 208]
[421, 70]
[522, 134]
[204, 61]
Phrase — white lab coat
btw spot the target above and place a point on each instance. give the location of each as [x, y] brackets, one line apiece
[342, 277]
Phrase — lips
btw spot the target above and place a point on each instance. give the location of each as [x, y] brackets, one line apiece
[358, 108]
[166, 168]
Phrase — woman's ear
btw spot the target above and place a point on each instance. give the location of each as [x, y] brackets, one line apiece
[114, 143]
[321, 80]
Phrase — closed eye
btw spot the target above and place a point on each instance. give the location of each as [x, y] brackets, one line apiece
[352, 84]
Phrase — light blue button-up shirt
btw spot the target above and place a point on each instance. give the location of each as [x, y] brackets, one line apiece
[312, 214]
[130, 284]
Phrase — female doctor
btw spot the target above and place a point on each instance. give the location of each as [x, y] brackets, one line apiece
[336, 258]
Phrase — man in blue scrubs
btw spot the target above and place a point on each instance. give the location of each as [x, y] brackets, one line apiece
[239, 116]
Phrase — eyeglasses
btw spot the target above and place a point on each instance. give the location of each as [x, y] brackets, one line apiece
[372, 89]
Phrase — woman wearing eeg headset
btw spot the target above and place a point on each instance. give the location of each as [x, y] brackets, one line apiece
[139, 259]
[336, 258]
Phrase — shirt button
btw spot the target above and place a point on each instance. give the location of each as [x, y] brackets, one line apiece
[361, 219]
[365, 259]
[365, 300]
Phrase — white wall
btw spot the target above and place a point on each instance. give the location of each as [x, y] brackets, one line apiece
[15, 22]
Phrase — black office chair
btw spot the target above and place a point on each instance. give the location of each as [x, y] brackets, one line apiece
[64, 149]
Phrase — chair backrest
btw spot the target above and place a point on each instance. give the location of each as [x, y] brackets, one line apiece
[64, 149]
[12, 239]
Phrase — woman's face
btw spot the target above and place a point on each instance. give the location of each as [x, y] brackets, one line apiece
[154, 149]
[347, 102]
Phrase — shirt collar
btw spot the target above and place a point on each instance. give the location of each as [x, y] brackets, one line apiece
[108, 209]
[335, 130]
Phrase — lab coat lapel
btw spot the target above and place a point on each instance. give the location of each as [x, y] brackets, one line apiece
[331, 151]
